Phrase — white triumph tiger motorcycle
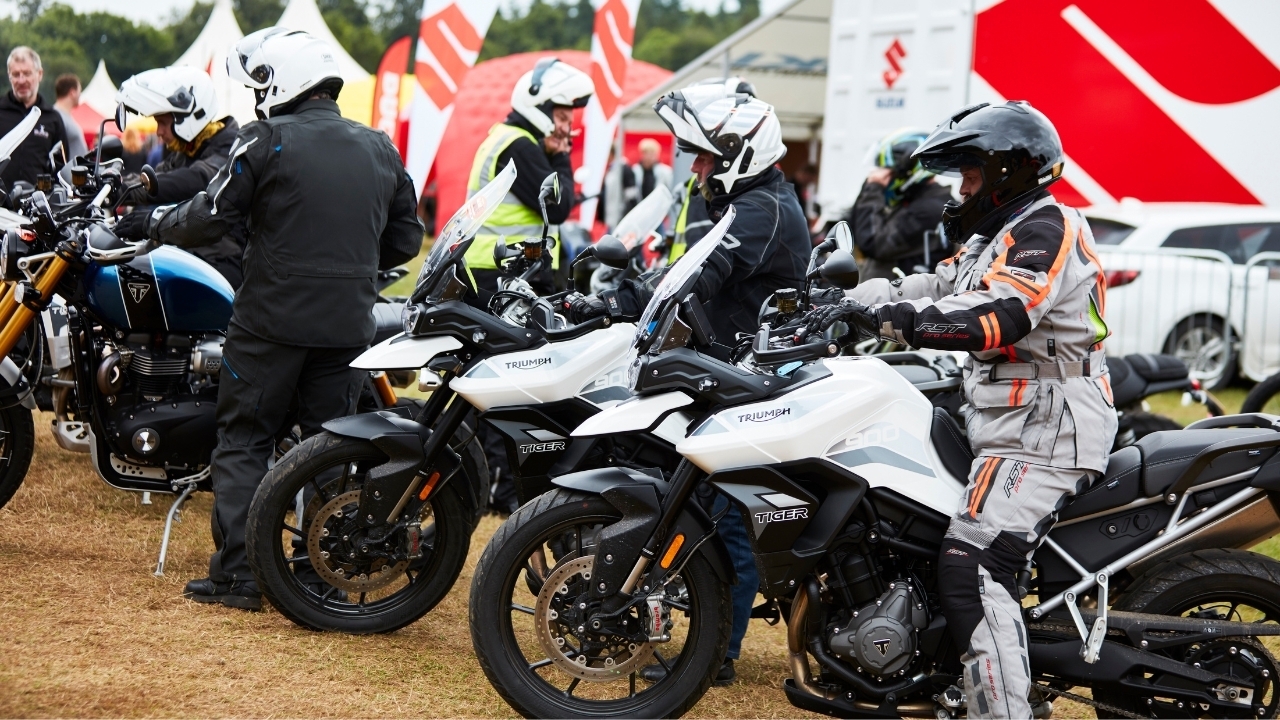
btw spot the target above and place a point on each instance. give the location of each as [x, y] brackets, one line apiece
[848, 477]
[373, 504]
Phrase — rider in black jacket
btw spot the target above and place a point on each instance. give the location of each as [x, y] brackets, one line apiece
[736, 139]
[327, 203]
[185, 107]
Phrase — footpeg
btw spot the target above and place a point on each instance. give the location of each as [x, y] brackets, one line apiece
[1091, 638]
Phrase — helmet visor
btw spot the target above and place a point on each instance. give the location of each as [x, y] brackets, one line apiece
[949, 164]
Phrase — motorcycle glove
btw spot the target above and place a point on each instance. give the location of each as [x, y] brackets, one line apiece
[582, 308]
[133, 225]
[863, 322]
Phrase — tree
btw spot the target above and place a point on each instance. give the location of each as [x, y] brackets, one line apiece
[257, 14]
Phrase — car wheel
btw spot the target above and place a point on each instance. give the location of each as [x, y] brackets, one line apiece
[1205, 345]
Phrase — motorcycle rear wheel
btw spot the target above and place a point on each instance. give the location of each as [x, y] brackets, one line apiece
[17, 444]
[330, 469]
[1235, 585]
[512, 612]
[1264, 397]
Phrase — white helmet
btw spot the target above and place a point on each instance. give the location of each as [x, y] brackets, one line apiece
[283, 67]
[186, 92]
[742, 132]
[550, 83]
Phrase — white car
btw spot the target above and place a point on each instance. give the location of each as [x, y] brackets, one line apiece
[1197, 280]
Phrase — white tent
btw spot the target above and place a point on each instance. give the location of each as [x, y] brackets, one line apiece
[783, 53]
[304, 15]
[100, 93]
[209, 53]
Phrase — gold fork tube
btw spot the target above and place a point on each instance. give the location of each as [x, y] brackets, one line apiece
[7, 305]
[46, 280]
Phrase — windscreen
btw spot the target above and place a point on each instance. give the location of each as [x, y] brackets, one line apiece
[461, 229]
[14, 137]
[644, 218]
[686, 266]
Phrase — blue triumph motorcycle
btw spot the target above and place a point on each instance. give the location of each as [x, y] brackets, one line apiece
[135, 359]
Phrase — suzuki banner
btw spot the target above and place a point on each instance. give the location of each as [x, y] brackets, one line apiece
[449, 41]
[611, 40]
[386, 89]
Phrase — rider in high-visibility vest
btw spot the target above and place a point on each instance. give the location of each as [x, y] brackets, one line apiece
[536, 137]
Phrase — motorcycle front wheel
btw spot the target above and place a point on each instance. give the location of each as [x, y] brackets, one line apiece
[318, 573]
[17, 444]
[533, 624]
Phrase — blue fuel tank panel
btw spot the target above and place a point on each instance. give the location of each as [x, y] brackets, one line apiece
[165, 290]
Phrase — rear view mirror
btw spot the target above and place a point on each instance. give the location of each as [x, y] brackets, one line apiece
[550, 189]
[842, 236]
[120, 117]
[611, 252]
[150, 181]
[841, 270]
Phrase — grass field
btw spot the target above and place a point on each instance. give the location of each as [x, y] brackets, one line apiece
[90, 632]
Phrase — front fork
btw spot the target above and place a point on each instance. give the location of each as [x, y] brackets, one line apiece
[16, 317]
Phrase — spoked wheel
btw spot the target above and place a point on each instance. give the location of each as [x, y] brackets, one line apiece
[320, 569]
[17, 444]
[1231, 585]
[542, 640]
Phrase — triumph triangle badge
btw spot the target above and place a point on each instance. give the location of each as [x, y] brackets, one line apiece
[882, 646]
[139, 291]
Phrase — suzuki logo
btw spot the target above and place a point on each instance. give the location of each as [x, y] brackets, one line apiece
[447, 46]
[894, 55]
[882, 646]
[138, 291]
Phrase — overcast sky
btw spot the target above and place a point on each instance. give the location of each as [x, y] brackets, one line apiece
[157, 12]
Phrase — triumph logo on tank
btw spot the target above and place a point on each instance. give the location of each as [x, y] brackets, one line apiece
[138, 291]
[529, 364]
[764, 415]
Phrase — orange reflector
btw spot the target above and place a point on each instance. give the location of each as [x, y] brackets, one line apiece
[431, 485]
[672, 550]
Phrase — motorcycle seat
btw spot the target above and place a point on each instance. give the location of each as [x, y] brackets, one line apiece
[1166, 455]
[1120, 485]
[951, 445]
[1127, 386]
[386, 318]
[1156, 368]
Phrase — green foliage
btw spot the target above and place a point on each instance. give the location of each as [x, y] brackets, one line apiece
[668, 34]
[257, 14]
[71, 42]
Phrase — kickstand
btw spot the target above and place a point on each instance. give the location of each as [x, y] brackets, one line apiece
[168, 526]
[1091, 639]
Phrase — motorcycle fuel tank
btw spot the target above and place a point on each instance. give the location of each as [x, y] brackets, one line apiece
[593, 366]
[167, 290]
[864, 417]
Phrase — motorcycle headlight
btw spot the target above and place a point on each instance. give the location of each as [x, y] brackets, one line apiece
[409, 318]
[13, 248]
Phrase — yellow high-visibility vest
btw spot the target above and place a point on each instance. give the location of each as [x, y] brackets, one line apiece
[513, 218]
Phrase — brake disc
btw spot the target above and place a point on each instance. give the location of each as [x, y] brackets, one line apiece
[560, 617]
[337, 566]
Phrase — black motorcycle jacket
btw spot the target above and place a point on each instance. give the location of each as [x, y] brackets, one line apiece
[766, 248]
[31, 157]
[326, 203]
[894, 236]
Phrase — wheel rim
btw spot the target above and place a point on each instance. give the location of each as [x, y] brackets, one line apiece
[564, 551]
[1244, 662]
[1205, 352]
[328, 496]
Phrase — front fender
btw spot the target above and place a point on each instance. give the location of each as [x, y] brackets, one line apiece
[618, 486]
[402, 440]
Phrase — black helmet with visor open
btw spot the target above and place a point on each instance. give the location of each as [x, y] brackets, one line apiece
[1016, 149]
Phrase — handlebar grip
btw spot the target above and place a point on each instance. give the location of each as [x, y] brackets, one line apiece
[582, 328]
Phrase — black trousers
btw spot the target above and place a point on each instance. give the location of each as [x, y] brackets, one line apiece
[257, 385]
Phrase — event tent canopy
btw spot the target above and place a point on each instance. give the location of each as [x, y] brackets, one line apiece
[304, 15]
[209, 53]
[783, 53]
[100, 93]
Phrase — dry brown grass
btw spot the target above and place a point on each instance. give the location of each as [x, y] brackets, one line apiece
[89, 632]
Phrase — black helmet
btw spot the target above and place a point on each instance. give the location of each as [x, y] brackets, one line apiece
[1017, 150]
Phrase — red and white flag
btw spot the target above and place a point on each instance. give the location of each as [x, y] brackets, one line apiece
[611, 42]
[386, 89]
[449, 41]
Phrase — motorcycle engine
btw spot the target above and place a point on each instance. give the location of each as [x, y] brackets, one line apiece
[881, 638]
